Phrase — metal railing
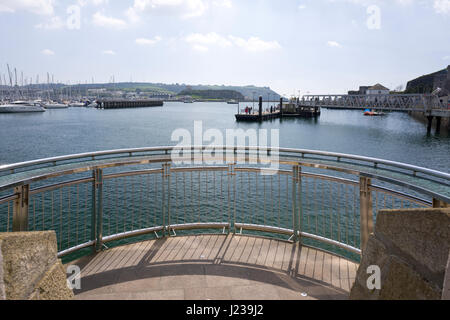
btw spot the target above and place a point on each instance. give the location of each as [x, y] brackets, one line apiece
[394, 102]
[321, 199]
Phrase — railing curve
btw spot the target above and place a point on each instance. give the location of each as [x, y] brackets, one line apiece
[322, 199]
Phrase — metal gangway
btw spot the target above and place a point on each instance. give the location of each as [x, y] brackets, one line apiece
[429, 104]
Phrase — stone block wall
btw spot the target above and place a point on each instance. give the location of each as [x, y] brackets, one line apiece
[411, 248]
[30, 269]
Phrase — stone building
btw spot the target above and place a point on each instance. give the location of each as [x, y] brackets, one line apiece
[430, 82]
[377, 89]
[362, 91]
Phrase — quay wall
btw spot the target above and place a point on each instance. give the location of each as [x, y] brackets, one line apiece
[411, 248]
[124, 104]
[30, 269]
[420, 116]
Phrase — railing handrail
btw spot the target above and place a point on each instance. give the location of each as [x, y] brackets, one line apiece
[288, 156]
[374, 161]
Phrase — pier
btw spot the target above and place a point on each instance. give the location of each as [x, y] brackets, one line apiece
[291, 110]
[125, 104]
[252, 117]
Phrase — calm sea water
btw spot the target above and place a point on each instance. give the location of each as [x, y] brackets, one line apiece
[396, 137]
[132, 203]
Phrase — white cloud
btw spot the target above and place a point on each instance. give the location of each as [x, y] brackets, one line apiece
[223, 3]
[183, 8]
[83, 3]
[301, 7]
[43, 7]
[202, 42]
[442, 6]
[334, 44]
[208, 39]
[51, 24]
[101, 20]
[375, 2]
[404, 2]
[147, 42]
[446, 58]
[109, 52]
[254, 44]
[48, 52]
[200, 48]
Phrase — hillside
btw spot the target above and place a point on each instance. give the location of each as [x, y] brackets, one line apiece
[248, 92]
[213, 94]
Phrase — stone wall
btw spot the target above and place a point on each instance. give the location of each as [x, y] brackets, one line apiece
[421, 117]
[411, 248]
[446, 290]
[30, 269]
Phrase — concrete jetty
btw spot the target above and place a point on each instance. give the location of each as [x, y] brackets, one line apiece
[291, 110]
[124, 104]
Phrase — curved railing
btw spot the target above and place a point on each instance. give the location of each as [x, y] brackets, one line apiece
[322, 199]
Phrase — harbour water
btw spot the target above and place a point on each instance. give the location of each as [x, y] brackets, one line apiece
[131, 203]
[396, 137]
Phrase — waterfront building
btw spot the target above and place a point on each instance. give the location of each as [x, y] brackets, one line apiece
[377, 89]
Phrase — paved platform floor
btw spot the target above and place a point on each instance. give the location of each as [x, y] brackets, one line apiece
[214, 267]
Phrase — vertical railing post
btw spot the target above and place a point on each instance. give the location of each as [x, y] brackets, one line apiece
[365, 210]
[296, 202]
[97, 210]
[20, 210]
[94, 209]
[232, 190]
[166, 201]
[440, 204]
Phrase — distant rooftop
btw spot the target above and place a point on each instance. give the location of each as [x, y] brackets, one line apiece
[378, 87]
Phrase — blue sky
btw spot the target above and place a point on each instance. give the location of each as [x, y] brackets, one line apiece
[315, 46]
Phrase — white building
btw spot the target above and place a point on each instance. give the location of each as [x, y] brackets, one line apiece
[378, 90]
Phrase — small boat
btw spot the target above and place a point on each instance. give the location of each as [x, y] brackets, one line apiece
[233, 102]
[370, 113]
[21, 107]
[77, 104]
[91, 104]
[55, 105]
[188, 101]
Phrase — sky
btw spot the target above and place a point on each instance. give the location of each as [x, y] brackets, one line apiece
[311, 46]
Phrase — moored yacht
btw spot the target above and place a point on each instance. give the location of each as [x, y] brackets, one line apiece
[92, 104]
[21, 107]
[55, 105]
[77, 104]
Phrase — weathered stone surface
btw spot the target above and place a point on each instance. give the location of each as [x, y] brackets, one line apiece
[401, 282]
[420, 234]
[2, 284]
[375, 254]
[26, 258]
[411, 248]
[446, 290]
[53, 285]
